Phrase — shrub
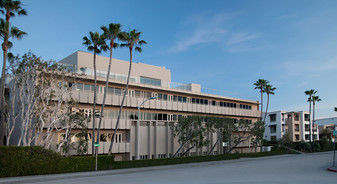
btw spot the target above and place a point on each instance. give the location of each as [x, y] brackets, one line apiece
[30, 160]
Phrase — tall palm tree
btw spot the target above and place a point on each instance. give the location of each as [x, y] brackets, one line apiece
[111, 33]
[261, 84]
[132, 41]
[96, 43]
[314, 100]
[310, 93]
[10, 9]
[269, 89]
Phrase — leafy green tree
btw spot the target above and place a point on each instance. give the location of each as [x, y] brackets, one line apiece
[260, 85]
[189, 130]
[217, 125]
[310, 93]
[111, 33]
[257, 131]
[269, 90]
[236, 132]
[133, 42]
[10, 8]
[97, 44]
[314, 100]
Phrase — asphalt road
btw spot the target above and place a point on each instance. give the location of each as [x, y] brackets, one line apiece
[306, 168]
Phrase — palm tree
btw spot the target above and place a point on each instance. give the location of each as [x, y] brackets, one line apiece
[310, 93]
[132, 41]
[314, 100]
[269, 89]
[96, 43]
[335, 109]
[111, 33]
[261, 84]
[10, 9]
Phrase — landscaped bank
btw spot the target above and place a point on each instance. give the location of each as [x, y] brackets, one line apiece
[22, 161]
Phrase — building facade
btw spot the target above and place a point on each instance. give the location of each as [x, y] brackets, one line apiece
[152, 137]
[294, 124]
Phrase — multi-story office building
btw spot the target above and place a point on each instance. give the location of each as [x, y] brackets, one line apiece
[295, 124]
[155, 138]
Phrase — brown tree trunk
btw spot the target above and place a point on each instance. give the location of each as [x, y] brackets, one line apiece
[122, 103]
[2, 93]
[94, 107]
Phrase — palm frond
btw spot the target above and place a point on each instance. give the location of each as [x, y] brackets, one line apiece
[138, 49]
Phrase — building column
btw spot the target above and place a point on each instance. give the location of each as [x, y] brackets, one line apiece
[149, 139]
[137, 140]
[155, 140]
[167, 139]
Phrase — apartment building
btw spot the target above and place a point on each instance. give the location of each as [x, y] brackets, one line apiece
[152, 137]
[295, 124]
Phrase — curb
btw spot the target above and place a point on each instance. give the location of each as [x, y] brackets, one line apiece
[332, 170]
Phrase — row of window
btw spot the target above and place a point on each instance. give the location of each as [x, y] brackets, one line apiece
[160, 96]
[113, 114]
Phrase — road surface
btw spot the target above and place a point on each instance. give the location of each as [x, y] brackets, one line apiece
[305, 168]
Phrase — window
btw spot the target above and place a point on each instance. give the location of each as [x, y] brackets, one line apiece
[297, 117]
[272, 117]
[79, 86]
[297, 137]
[149, 81]
[118, 91]
[184, 99]
[86, 87]
[272, 128]
[297, 127]
[214, 103]
[110, 90]
[306, 117]
[180, 99]
[307, 127]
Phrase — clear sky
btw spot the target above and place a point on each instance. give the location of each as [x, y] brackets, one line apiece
[224, 45]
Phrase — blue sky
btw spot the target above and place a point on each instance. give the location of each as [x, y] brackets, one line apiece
[224, 45]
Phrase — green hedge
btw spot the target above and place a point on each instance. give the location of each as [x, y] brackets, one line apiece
[21, 161]
[181, 160]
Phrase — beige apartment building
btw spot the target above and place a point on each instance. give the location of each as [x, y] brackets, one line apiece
[152, 137]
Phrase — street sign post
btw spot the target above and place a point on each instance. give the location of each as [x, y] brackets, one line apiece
[96, 144]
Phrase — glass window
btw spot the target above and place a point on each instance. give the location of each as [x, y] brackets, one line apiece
[160, 96]
[184, 99]
[180, 99]
[118, 91]
[214, 103]
[86, 87]
[79, 86]
[164, 96]
[206, 102]
[221, 104]
[110, 90]
[137, 93]
[149, 81]
[175, 98]
[197, 101]
[164, 116]
[193, 100]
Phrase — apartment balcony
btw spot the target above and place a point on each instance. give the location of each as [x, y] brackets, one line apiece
[115, 100]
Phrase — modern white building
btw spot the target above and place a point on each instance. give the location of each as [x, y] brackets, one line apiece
[295, 124]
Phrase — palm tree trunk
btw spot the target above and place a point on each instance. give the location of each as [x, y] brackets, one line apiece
[122, 103]
[104, 96]
[310, 127]
[313, 122]
[2, 93]
[265, 115]
[261, 103]
[94, 108]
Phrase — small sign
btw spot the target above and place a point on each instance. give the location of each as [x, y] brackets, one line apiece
[334, 132]
[96, 144]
